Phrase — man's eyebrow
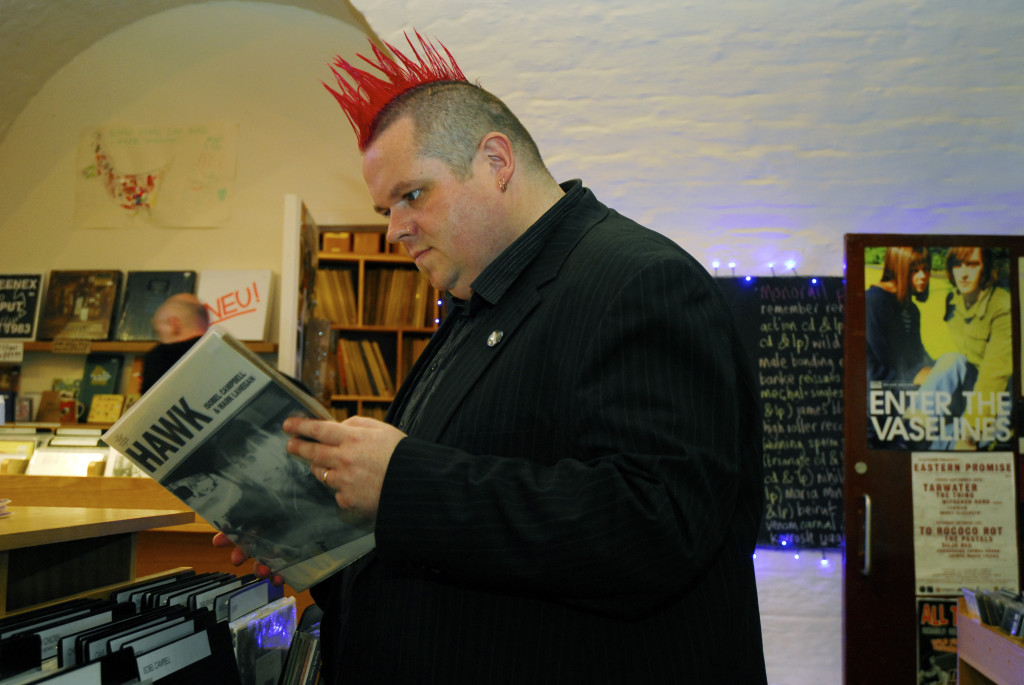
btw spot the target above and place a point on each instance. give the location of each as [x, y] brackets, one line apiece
[397, 190]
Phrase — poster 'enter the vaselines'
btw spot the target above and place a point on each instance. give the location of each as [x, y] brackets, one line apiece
[939, 347]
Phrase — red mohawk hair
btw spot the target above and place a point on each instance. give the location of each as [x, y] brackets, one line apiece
[363, 99]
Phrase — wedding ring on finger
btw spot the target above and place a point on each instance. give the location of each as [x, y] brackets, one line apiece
[323, 477]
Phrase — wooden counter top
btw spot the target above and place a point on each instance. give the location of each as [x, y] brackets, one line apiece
[28, 526]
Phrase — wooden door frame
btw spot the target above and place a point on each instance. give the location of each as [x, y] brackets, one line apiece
[879, 617]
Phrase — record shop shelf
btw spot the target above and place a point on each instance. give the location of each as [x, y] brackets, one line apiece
[48, 554]
[140, 347]
[986, 654]
[157, 548]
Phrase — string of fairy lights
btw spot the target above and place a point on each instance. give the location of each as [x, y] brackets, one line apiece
[790, 266]
[824, 563]
[784, 543]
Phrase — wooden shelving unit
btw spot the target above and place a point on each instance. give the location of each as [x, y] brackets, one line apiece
[985, 654]
[397, 342]
[37, 351]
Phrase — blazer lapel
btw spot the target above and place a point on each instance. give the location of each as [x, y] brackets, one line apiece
[490, 335]
[501, 321]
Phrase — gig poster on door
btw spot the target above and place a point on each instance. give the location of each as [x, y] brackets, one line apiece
[965, 532]
[939, 341]
[936, 641]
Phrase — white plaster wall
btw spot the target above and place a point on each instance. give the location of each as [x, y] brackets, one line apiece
[760, 130]
[754, 131]
[801, 599]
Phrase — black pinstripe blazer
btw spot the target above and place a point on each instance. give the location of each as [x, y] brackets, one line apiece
[579, 502]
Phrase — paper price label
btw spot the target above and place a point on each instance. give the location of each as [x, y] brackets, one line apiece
[71, 346]
[11, 352]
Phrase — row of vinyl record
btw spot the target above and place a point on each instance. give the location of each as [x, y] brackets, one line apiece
[1002, 609]
[177, 627]
[102, 304]
[363, 371]
[60, 452]
[393, 297]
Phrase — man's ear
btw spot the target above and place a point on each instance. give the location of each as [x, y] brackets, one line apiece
[500, 158]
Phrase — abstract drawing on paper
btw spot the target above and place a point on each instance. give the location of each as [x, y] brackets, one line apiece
[156, 175]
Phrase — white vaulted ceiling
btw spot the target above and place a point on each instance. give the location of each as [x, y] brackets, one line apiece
[39, 37]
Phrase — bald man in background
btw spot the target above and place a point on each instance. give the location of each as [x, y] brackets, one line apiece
[179, 322]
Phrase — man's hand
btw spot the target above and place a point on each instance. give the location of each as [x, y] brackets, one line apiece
[238, 557]
[350, 457]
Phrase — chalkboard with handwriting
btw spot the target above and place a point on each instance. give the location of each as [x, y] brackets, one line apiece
[793, 329]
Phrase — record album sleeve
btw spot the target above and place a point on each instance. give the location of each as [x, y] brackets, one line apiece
[79, 304]
[210, 431]
[144, 292]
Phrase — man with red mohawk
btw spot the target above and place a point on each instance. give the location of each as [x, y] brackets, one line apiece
[568, 487]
